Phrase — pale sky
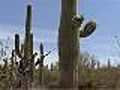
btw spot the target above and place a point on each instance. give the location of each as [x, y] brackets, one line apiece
[46, 16]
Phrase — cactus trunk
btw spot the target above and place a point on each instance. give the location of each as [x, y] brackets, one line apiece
[27, 42]
[28, 46]
[68, 45]
[31, 60]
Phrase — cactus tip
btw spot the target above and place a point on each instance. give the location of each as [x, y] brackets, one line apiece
[93, 21]
[29, 2]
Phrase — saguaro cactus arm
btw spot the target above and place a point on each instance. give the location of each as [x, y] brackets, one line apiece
[17, 45]
[88, 29]
[17, 42]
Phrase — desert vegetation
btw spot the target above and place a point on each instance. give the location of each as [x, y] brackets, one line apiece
[24, 69]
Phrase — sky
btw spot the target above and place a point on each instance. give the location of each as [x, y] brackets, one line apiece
[45, 24]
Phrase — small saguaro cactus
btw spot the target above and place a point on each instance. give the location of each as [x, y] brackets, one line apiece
[51, 67]
[40, 62]
[109, 64]
[98, 64]
[68, 42]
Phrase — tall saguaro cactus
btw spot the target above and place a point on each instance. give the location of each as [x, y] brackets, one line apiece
[68, 43]
[26, 52]
[28, 44]
[28, 37]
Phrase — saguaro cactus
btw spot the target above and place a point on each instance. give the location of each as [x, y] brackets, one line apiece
[109, 64]
[98, 64]
[68, 45]
[40, 61]
[27, 42]
[68, 42]
[28, 46]
[26, 52]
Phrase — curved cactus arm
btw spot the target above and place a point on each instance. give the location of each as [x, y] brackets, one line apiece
[88, 29]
